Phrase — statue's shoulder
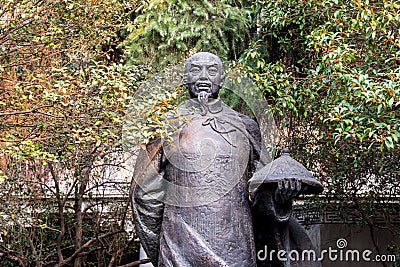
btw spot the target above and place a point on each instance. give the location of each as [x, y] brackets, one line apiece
[251, 126]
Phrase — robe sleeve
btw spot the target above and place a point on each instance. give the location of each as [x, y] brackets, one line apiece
[254, 135]
[147, 198]
[263, 201]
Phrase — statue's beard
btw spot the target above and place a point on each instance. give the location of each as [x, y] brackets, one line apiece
[203, 97]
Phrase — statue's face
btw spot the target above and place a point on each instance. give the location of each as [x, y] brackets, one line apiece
[204, 75]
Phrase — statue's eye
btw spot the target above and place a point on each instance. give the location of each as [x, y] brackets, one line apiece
[195, 70]
[212, 71]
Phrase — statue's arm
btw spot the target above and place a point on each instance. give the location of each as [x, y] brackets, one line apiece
[273, 203]
[147, 199]
[254, 136]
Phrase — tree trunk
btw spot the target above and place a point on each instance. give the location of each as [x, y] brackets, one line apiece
[79, 196]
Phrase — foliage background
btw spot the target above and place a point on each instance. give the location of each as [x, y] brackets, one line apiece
[64, 90]
[165, 32]
[329, 69]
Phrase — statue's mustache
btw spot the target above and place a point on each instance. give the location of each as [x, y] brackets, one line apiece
[194, 84]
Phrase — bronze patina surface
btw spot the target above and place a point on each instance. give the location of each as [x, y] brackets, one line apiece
[191, 202]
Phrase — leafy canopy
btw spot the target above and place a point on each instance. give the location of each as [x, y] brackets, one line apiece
[331, 71]
[165, 31]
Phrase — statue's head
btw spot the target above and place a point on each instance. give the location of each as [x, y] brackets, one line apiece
[203, 75]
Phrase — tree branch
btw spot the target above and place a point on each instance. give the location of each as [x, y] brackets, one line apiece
[15, 259]
[21, 112]
[78, 252]
[135, 263]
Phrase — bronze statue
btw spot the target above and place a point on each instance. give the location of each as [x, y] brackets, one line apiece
[191, 202]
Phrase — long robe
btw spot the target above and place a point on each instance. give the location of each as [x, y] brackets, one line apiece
[191, 200]
[191, 207]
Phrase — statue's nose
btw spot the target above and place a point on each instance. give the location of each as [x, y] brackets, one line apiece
[203, 74]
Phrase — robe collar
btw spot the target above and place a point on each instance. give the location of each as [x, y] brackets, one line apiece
[213, 105]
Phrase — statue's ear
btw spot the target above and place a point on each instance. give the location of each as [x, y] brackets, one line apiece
[185, 79]
[222, 80]
[185, 83]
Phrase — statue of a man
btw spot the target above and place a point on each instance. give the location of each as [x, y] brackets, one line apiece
[192, 205]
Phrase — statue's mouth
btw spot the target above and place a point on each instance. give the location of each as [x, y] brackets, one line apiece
[203, 86]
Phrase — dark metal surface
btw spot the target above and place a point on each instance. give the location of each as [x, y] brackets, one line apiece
[285, 167]
[191, 199]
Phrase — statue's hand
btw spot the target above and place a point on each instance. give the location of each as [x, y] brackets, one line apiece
[287, 190]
